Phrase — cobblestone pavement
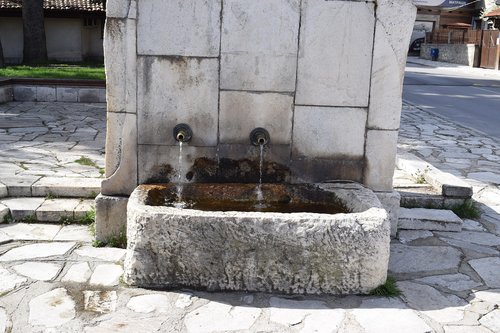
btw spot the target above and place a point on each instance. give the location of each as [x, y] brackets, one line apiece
[52, 280]
[465, 153]
[51, 144]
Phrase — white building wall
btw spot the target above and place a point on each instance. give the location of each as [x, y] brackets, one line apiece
[67, 39]
[11, 34]
[64, 39]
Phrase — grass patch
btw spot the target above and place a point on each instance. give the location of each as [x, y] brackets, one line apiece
[56, 71]
[119, 240]
[29, 219]
[7, 218]
[23, 166]
[419, 175]
[388, 289]
[467, 210]
[87, 219]
[51, 196]
[84, 160]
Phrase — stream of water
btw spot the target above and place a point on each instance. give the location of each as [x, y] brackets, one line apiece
[260, 197]
[180, 182]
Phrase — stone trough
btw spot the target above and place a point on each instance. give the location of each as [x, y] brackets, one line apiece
[221, 248]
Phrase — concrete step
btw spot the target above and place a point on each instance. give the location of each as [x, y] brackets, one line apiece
[423, 199]
[448, 184]
[61, 210]
[429, 219]
[35, 186]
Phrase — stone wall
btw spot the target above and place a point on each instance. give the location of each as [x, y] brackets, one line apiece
[46, 92]
[323, 77]
[462, 54]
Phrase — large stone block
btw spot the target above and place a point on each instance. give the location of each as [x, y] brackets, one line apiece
[392, 36]
[24, 93]
[121, 72]
[117, 8]
[259, 44]
[46, 94]
[65, 94]
[301, 253]
[6, 94]
[228, 163]
[307, 170]
[241, 112]
[121, 154]
[160, 164]
[179, 28]
[89, 95]
[335, 53]
[325, 132]
[178, 90]
[380, 159]
[111, 216]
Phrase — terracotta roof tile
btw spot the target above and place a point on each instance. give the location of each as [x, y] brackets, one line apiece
[85, 5]
[494, 12]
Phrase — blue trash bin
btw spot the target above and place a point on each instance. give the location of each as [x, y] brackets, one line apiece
[434, 54]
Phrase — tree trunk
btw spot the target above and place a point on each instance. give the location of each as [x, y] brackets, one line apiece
[2, 62]
[35, 48]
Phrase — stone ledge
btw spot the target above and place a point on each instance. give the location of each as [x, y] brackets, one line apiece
[429, 219]
[448, 184]
[45, 210]
[52, 90]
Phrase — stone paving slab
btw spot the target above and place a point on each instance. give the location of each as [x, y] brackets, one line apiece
[429, 219]
[67, 187]
[72, 287]
[56, 210]
[45, 210]
[42, 139]
[423, 260]
[25, 231]
[21, 208]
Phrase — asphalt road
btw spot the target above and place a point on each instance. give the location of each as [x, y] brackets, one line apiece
[465, 98]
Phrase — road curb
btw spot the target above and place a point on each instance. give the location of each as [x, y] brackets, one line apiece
[449, 185]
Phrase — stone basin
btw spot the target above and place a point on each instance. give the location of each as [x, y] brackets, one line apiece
[303, 245]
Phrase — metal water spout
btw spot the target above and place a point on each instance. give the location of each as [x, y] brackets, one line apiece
[259, 137]
[183, 133]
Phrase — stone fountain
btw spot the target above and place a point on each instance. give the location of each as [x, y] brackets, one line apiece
[323, 78]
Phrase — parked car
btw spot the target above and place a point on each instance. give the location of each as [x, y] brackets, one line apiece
[417, 38]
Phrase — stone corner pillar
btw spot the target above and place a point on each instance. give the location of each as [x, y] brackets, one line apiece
[393, 27]
[111, 216]
[120, 54]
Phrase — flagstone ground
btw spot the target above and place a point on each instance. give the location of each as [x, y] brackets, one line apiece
[53, 280]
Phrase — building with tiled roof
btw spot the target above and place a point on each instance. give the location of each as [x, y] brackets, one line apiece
[493, 17]
[73, 29]
[72, 5]
[493, 13]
